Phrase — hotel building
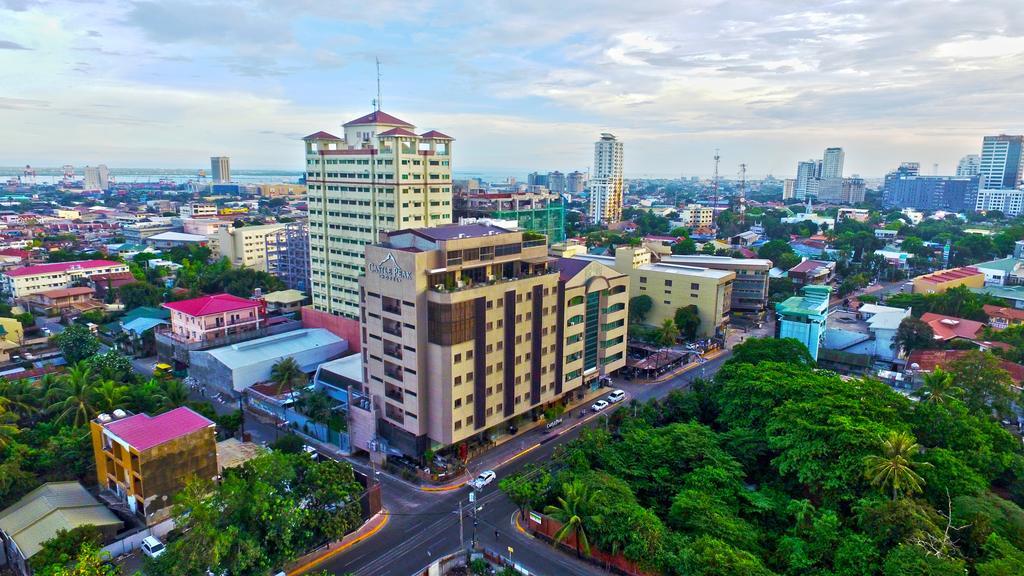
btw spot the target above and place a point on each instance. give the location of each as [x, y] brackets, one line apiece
[380, 176]
[467, 329]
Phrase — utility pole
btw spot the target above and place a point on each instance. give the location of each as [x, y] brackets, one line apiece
[462, 538]
[378, 103]
[472, 502]
[714, 188]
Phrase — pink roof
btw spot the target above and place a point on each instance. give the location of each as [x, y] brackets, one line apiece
[143, 431]
[15, 252]
[321, 135]
[949, 327]
[213, 304]
[61, 267]
[377, 117]
[398, 132]
[436, 135]
[810, 266]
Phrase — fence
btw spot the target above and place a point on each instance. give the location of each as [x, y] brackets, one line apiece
[545, 527]
[133, 541]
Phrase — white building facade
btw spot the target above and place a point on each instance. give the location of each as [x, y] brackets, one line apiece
[606, 185]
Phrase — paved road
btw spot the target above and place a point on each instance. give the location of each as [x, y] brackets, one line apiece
[425, 525]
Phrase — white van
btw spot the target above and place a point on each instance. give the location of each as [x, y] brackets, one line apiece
[152, 547]
[616, 396]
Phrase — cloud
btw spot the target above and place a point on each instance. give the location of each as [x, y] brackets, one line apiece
[8, 45]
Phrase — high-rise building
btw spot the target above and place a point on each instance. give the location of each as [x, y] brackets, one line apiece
[537, 179]
[905, 187]
[470, 329]
[97, 177]
[970, 165]
[575, 182]
[606, 185]
[841, 190]
[381, 176]
[1002, 162]
[220, 169]
[807, 174]
[832, 163]
[788, 188]
[556, 182]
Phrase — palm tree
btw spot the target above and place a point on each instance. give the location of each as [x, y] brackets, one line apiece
[573, 511]
[316, 405]
[73, 396]
[895, 466]
[8, 425]
[110, 396]
[287, 374]
[667, 333]
[19, 397]
[938, 387]
[175, 394]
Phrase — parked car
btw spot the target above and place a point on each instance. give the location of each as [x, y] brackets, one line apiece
[553, 424]
[485, 478]
[616, 396]
[313, 452]
[152, 547]
[599, 405]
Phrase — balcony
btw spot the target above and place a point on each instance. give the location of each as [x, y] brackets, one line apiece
[393, 350]
[393, 328]
[392, 371]
[491, 281]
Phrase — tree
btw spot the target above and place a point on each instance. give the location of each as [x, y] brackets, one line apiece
[667, 333]
[894, 467]
[780, 253]
[287, 374]
[685, 247]
[687, 320]
[573, 510]
[90, 561]
[73, 397]
[938, 387]
[315, 404]
[110, 396]
[175, 394]
[111, 365]
[757, 350]
[639, 307]
[986, 386]
[77, 343]
[708, 249]
[527, 487]
[64, 546]
[913, 334]
[8, 426]
[138, 294]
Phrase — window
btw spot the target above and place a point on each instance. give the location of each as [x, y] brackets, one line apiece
[576, 301]
[668, 282]
[694, 286]
[458, 402]
[458, 358]
[643, 280]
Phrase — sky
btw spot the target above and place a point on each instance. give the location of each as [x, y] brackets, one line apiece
[522, 85]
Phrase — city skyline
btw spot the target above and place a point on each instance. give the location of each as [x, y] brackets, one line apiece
[168, 84]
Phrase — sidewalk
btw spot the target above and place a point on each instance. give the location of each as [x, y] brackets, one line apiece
[682, 369]
[314, 559]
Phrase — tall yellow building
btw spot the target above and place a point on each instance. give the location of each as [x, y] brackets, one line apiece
[246, 245]
[468, 329]
[380, 176]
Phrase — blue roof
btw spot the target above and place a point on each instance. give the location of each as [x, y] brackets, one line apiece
[140, 325]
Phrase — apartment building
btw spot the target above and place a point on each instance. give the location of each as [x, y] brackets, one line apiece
[25, 280]
[672, 286]
[380, 176]
[145, 460]
[246, 245]
[695, 216]
[198, 210]
[749, 289]
[464, 332]
[606, 185]
[209, 317]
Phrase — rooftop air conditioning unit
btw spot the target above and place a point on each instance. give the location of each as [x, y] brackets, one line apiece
[120, 413]
[103, 418]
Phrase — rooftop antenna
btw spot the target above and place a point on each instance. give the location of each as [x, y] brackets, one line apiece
[376, 102]
[742, 204]
[714, 186]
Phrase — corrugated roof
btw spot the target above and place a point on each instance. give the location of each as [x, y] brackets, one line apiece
[141, 324]
[38, 516]
[948, 327]
[274, 347]
[1003, 312]
[143, 431]
[61, 267]
[285, 296]
[65, 292]
[1004, 264]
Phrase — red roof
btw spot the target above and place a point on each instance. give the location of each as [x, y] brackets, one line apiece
[321, 135]
[23, 254]
[949, 327]
[61, 267]
[811, 266]
[1003, 312]
[398, 132]
[65, 292]
[213, 304]
[142, 431]
[436, 135]
[377, 117]
[927, 360]
[948, 275]
[113, 277]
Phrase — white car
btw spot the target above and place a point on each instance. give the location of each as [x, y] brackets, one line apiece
[485, 478]
[152, 547]
[599, 405]
[616, 396]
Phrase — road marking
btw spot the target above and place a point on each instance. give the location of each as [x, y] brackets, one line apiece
[313, 563]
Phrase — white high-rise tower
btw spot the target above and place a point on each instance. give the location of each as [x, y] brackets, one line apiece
[606, 185]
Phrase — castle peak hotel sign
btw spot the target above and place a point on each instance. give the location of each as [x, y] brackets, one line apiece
[389, 270]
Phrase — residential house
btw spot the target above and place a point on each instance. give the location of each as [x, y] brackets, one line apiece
[285, 301]
[37, 517]
[947, 328]
[63, 300]
[813, 272]
[143, 460]
[107, 286]
[923, 362]
[1002, 272]
[1001, 317]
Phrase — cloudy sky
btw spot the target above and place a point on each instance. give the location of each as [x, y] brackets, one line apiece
[521, 85]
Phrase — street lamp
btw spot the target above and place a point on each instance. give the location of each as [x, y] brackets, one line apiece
[510, 557]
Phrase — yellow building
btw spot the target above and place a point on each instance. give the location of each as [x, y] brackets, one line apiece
[281, 190]
[245, 246]
[144, 461]
[468, 329]
[943, 280]
[672, 286]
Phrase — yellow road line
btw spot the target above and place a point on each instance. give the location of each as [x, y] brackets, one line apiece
[313, 563]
